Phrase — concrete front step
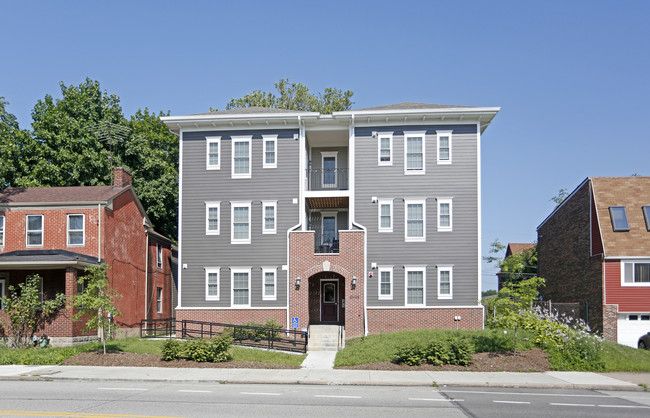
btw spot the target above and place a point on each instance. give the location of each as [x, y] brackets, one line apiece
[323, 338]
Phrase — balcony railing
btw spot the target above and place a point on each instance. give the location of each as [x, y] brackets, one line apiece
[326, 243]
[328, 179]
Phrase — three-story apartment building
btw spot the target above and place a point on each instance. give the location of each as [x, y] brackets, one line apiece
[368, 218]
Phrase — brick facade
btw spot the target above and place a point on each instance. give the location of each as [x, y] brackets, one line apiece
[610, 322]
[232, 316]
[392, 320]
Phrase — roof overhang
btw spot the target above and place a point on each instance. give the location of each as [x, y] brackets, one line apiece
[46, 260]
[236, 121]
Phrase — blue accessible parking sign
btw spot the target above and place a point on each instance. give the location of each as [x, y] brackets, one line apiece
[294, 323]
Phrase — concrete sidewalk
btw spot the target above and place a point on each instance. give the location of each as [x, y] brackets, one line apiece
[558, 380]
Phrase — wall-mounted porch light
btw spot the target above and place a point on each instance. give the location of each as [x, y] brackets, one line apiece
[298, 281]
[354, 280]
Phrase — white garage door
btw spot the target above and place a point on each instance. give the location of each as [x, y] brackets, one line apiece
[631, 327]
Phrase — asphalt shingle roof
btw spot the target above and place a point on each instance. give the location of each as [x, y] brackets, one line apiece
[58, 194]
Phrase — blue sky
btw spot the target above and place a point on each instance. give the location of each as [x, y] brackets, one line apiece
[571, 77]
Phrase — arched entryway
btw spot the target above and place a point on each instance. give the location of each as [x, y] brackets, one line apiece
[327, 298]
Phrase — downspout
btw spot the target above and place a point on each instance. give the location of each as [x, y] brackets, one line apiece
[99, 233]
[301, 204]
[352, 154]
[146, 273]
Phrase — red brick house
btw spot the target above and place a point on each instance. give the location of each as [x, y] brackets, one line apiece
[57, 232]
[594, 250]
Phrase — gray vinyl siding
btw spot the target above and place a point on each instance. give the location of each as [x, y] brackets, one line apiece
[457, 181]
[266, 250]
[341, 157]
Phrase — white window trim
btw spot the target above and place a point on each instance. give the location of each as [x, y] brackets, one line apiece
[159, 299]
[274, 204]
[450, 269]
[442, 201]
[438, 135]
[633, 284]
[68, 230]
[269, 138]
[159, 258]
[42, 230]
[236, 139]
[234, 205]
[381, 202]
[246, 270]
[423, 269]
[2, 230]
[208, 206]
[273, 270]
[212, 140]
[421, 134]
[408, 202]
[323, 155]
[208, 271]
[380, 270]
[381, 135]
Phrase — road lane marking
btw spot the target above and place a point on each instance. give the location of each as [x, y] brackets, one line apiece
[337, 396]
[623, 406]
[194, 391]
[436, 400]
[75, 414]
[136, 389]
[525, 393]
[260, 393]
[515, 402]
[571, 404]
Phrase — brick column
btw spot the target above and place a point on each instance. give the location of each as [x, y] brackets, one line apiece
[610, 322]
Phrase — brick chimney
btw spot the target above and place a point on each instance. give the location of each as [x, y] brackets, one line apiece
[121, 177]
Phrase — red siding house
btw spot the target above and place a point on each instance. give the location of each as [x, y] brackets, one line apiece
[57, 232]
[594, 250]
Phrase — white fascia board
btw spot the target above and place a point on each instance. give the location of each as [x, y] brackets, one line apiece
[45, 265]
[420, 112]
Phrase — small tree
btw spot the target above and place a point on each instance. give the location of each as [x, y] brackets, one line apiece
[27, 313]
[97, 302]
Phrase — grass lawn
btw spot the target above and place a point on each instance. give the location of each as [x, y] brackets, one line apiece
[623, 358]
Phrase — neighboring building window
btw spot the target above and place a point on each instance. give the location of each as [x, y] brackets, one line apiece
[2, 231]
[444, 147]
[75, 229]
[444, 215]
[270, 209]
[270, 283]
[241, 157]
[385, 215]
[415, 285]
[159, 299]
[415, 228]
[619, 218]
[445, 280]
[212, 283]
[241, 223]
[385, 152]
[213, 153]
[3, 282]
[212, 218]
[385, 283]
[414, 153]
[270, 151]
[646, 214]
[636, 272]
[241, 285]
[34, 230]
[159, 258]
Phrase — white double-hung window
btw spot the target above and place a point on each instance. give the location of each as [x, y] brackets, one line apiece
[213, 153]
[385, 215]
[414, 155]
[75, 230]
[270, 151]
[444, 215]
[270, 209]
[212, 283]
[270, 275]
[416, 278]
[34, 230]
[212, 218]
[2, 231]
[241, 286]
[385, 148]
[241, 222]
[415, 220]
[241, 157]
[635, 273]
[444, 147]
[445, 280]
[385, 283]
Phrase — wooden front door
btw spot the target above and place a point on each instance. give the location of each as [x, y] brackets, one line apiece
[329, 301]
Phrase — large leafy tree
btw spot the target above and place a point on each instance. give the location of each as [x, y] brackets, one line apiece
[17, 146]
[296, 96]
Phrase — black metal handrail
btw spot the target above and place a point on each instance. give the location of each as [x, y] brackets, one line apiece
[326, 243]
[245, 335]
[328, 178]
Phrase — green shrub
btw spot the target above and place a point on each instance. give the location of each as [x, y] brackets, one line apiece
[213, 350]
[172, 350]
[580, 352]
[450, 351]
[413, 355]
[437, 353]
[460, 351]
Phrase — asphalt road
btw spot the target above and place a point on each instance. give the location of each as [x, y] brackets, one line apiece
[139, 399]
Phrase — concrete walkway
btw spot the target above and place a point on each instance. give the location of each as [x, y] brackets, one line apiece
[563, 380]
[320, 360]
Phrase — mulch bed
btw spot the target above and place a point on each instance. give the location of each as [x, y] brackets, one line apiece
[525, 361]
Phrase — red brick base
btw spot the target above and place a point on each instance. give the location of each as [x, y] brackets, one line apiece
[391, 320]
[233, 316]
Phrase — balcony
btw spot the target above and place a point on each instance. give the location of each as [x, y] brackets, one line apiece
[328, 179]
[327, 243]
